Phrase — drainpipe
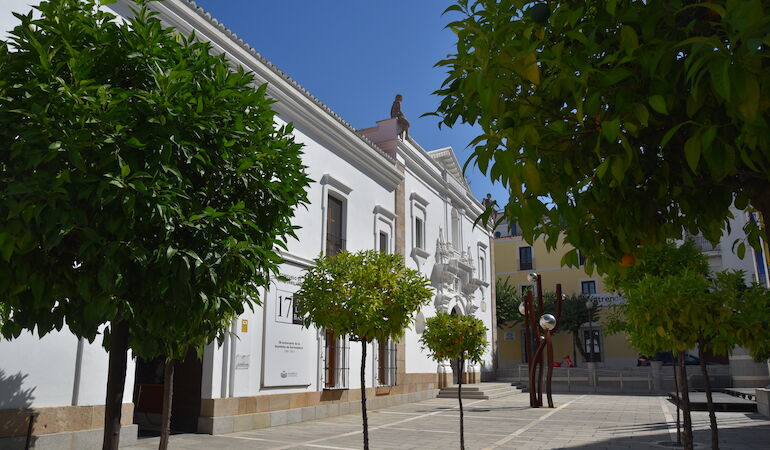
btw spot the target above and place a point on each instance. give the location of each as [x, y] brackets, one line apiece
[233, 338]
[78, 370]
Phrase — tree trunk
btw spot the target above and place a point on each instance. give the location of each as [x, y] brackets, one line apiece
[168, 395]
[461, 369]
[363, 395]
[709, 401]
[678, 390]
[687, 441]
[116, 379]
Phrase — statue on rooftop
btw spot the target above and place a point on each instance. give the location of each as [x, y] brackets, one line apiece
[395, 112]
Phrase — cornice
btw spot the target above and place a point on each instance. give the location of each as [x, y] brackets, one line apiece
[335, 183]
[386, 213]
[293, 101]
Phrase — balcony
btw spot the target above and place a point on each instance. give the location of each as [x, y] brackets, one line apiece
[334, 244]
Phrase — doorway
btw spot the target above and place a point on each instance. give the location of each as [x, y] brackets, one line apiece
[148, 395]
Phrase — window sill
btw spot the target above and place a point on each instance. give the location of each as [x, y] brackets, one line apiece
[336, 389]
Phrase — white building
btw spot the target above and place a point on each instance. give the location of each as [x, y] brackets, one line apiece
[373, 189]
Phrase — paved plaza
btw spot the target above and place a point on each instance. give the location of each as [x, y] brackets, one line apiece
[577, 422]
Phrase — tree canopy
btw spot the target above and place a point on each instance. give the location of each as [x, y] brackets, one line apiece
[451, 337]
[368, 295]
[141, 179]
[621, 122]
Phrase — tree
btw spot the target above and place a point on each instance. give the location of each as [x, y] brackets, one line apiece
[619, 122]
[574, 313]
[140, 176]
[369, 296]
[463, 338]
[681, 305]
[507, 300]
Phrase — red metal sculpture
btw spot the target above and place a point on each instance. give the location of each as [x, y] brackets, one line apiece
[536, 344]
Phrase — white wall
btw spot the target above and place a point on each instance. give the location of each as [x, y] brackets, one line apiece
[40, 372]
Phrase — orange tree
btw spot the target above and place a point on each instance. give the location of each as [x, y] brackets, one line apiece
[143, 183]
[617, 122]
[674, 303]
[463, 338]
[368, 296]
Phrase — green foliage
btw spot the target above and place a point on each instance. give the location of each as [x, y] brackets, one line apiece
[141, 179]
[451, 337]
[620, 122]
[574, 312]
[507, 300]
[368, 295]
[675, 304]
[660, 260]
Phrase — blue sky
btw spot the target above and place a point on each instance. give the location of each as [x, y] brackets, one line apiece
[356, 55]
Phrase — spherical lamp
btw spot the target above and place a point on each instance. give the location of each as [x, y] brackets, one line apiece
[548, 322]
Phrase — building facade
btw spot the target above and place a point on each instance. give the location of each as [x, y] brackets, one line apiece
[372, 189]
[515, 259]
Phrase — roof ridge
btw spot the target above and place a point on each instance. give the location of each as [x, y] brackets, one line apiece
[245, 45]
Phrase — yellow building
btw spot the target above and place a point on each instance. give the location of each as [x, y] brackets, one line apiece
[515, 259]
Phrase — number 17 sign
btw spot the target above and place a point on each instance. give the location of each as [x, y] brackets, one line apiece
[286, 308]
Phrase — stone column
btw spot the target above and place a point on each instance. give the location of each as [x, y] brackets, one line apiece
[656, 367]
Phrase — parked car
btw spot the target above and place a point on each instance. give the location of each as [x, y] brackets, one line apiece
[668, 359]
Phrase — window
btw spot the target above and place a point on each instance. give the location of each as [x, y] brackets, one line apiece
[335, 241]
[525, 258]
[386, 363]
[456, 238]
[419, 233]
[384, 241]
[482, 268]
[336, 351]
[592, 337]
[581, 258]
[588, 287]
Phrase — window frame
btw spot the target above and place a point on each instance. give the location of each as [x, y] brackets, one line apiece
[386, 364]
[522, 264]
[336, 362]
[583, 283]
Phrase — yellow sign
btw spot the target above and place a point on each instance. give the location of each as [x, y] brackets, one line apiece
[244, 326]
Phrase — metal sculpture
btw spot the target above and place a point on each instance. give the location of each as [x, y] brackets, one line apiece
[536, 344]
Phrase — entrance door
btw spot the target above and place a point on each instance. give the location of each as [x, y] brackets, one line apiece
[148, 394]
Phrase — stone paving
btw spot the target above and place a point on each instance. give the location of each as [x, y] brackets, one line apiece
[577, 422]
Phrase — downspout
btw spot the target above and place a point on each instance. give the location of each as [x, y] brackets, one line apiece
[233, 338]
[78, 371]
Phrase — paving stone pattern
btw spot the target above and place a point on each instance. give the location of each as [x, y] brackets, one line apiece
[577, 422]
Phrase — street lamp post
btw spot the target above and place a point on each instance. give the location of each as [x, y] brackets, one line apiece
[589, 306]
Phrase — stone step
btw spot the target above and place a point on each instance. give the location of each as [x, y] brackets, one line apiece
[484, 391]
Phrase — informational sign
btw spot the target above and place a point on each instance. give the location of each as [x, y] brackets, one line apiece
[509, 336]
[244, 326]
[288, 343]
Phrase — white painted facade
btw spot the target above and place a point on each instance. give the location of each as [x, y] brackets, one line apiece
[265, 353]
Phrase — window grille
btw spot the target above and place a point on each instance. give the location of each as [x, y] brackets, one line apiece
[336, 361]
[386, 363]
